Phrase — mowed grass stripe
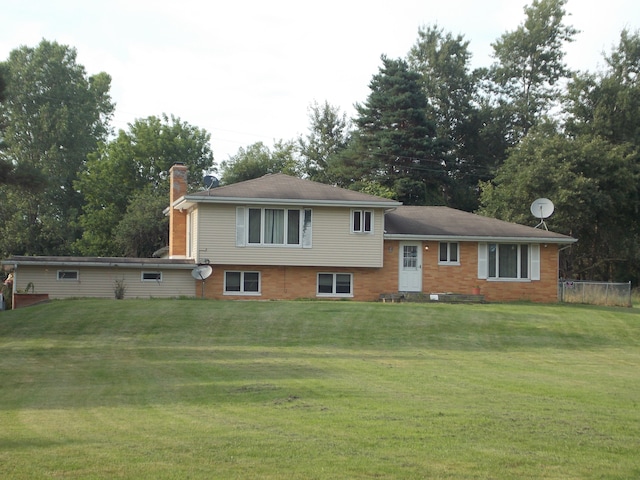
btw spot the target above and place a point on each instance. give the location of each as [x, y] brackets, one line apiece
[204, 389]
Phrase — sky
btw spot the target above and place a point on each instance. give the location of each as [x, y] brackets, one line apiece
[247, 71]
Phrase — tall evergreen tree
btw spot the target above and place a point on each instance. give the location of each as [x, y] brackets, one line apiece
[395, 143]
[443, 61]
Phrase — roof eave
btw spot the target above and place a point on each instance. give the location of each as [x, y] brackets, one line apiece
[113, 264]
[190, 200]
[479, 238]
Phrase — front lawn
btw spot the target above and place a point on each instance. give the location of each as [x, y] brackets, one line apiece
[194, 389]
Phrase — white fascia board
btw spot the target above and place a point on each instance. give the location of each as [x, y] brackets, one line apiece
[181, 204]
[138, 266]
[189, 200]
[438, 238]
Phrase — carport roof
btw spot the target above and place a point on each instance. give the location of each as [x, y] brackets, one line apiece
[125, 262]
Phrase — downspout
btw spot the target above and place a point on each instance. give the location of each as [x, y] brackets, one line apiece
[14, 287]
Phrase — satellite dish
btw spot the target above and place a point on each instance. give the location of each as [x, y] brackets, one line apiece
[542, 208]
[202, 272]
[210, 181]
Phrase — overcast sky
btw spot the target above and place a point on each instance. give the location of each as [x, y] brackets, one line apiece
[247, 70]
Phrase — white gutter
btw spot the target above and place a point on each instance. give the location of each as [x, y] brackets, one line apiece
[475, 238]
[138, 265]
[190, 200]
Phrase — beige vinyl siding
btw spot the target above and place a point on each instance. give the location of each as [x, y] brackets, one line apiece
[193, 235]
[101, 282]
[333, 244]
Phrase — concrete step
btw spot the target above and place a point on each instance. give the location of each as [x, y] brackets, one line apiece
[418, 297]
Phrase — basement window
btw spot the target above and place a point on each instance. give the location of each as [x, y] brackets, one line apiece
[242, 283]
[151, 276]
[68, 275]
[335, 285]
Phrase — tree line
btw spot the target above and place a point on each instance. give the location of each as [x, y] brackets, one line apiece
[432, 131]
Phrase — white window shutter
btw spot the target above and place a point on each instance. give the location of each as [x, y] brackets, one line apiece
[240, 227]
[535, 261]
[306, 228]
[483, 265]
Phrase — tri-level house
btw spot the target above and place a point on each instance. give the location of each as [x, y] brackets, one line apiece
[281, 237]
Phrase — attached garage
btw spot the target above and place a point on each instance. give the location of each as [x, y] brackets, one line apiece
[105, 277]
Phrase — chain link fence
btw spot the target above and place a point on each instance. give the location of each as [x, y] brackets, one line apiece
[595, 293]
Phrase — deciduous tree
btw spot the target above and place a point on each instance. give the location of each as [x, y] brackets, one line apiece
[530, 65]
[607, 103]
[143, 229]
[329, 133]
[138, 160]
[53, 116]
[595, 186]
[258, 160]
[451, 88]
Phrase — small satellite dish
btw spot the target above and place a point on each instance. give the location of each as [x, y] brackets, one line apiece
[202, 272]
[542, 208]
[210, 181]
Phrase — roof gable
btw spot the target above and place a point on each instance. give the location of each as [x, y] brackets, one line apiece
[445, 222]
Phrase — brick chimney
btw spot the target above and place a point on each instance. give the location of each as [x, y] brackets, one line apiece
[177, 218]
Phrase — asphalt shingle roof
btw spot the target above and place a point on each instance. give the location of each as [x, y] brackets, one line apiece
[449, 222]
[399, 220]
[280, 186]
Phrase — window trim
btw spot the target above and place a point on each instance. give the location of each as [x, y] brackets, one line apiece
[60, 275]
[363, 214]
[243, 228]
[448, 261]
[242, 284]
[533, 262]
[149, 272]
[333, 293]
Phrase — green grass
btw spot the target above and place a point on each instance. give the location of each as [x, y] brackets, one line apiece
[190, 389]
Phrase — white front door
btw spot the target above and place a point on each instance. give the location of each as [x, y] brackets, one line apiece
[410, 275]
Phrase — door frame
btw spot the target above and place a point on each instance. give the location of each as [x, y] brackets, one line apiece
[417, 273]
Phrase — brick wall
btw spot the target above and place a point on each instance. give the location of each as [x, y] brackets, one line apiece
[462, 278]
[177, 218]
[27, 299]
[292, 283]
[289, 283]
